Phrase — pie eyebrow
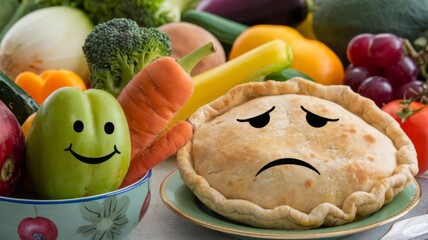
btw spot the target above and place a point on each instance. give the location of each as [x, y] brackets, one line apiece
[327, 119]
[248, 119]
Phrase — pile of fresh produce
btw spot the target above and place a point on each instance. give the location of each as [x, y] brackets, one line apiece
[125, 76]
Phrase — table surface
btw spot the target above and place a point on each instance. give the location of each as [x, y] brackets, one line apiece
[162, 223]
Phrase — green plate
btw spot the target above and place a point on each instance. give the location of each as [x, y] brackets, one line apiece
[179, 198]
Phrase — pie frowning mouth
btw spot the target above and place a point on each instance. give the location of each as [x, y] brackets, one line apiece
[285, 161]
[92, 160]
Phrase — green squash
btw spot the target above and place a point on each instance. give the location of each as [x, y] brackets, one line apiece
[336, 22]
[78, 145]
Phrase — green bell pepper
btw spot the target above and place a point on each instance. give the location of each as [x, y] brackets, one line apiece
[78, 145]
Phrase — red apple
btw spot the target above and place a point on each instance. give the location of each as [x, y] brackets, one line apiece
[11, 150]
[37, 228]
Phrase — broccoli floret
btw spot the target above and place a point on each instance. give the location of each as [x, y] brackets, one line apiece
[147, 13]
[27, 6]
[117, 49]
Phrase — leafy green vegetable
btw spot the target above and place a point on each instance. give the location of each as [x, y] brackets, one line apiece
[117, 49]
[27, 6]
[147, 13]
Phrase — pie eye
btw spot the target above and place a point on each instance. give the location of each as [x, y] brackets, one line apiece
[258, 121]
[317, 121]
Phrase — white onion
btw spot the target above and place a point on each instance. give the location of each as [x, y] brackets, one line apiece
[48, 38]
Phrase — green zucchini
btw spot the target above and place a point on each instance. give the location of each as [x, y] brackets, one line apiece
[225, 30]
[18, 101]
[336, 22]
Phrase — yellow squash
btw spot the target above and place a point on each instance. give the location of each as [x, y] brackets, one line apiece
[269, 57]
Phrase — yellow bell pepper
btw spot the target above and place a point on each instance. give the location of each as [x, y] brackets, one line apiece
[39, 87]
[254, 64]
[311, 57]
[25, 127]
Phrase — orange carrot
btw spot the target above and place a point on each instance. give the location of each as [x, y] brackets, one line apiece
[162, 148]
[150, 101]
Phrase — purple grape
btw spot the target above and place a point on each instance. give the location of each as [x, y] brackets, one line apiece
[376, 88]
[375, 51]
[401, 72]
[358, 50]
[386, 48]
[376, 71]
[410, 90]
[354, 76]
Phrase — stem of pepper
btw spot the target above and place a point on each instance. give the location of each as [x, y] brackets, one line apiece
[194, 57]
[310, 5]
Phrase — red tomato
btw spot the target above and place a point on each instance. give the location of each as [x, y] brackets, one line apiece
[416, 128]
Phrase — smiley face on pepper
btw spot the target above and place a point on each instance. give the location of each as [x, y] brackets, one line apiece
[291, 150]
[78, 145]
[78, 127]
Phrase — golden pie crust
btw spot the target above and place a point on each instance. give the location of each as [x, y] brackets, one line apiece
[295, 155]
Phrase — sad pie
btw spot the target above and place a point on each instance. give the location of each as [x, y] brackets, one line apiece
[295, 155]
